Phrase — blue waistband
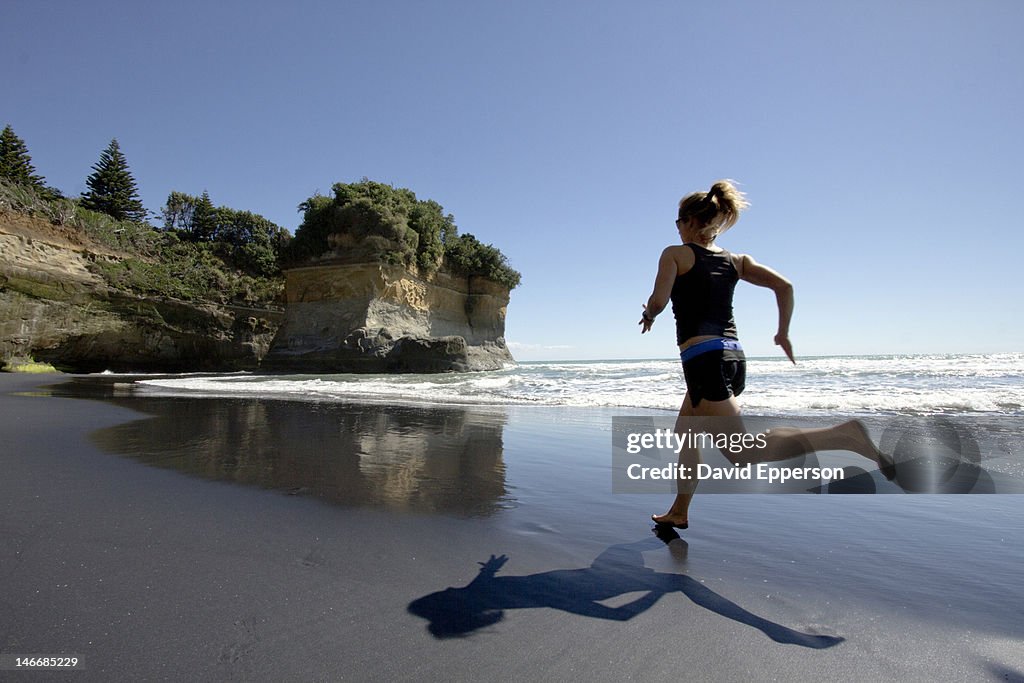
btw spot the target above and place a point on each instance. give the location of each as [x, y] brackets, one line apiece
[716, 344]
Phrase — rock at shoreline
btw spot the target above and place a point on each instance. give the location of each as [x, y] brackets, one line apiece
[378, 318]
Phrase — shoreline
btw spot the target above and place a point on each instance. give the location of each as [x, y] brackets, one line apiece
[826, 388]
[146, 573]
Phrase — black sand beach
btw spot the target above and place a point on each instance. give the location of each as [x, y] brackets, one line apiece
[169, 538]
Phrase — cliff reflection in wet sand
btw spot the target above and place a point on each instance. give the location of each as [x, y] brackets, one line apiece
[441, 459]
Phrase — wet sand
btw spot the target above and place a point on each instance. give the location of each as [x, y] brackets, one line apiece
[226, 539]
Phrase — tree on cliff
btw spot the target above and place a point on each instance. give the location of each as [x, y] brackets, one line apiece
[245, 240]
[468, 255]
[204, 219]
[371, 221]
[112, 188]
[15, 162]
[178, 212]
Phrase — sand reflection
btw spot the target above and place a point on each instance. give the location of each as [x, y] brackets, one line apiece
[416, 458]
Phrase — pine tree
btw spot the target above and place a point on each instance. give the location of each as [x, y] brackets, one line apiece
[204, 220]
[15, 162]
[112, 189]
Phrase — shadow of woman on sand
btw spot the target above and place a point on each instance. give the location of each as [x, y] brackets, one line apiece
[456, 612]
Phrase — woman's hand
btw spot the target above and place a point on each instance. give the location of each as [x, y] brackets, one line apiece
[646, 321]
[783, 341]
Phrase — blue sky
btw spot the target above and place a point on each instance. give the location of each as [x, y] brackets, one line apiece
[879, 143]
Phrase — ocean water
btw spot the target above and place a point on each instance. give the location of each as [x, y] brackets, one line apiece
[983, 385]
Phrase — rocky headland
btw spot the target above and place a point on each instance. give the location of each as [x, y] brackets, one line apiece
[56, 307]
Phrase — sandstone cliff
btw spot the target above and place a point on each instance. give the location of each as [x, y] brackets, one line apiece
[339, 317]
[53, 307]
[362, 317]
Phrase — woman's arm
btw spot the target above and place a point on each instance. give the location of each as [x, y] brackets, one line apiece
[667, 271]
[763, 276]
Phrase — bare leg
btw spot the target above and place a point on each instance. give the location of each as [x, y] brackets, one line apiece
[782, 443]
[789, 442]
[679, 514]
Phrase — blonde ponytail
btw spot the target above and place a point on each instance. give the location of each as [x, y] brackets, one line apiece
[716, 210]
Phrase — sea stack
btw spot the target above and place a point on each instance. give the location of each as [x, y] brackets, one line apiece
[373, 317]
[378, 281]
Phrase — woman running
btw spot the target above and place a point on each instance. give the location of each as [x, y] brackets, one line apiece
[699, 278]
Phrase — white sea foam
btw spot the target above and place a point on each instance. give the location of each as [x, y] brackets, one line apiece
[852, 385]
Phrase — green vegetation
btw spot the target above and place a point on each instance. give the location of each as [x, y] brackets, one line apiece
[193, 272]
[467, 255]
[112, 188]
[374, 221]
[99, 227]
[27, 365]
[156, 262]
[215, 253]
[16, 164]
[245, 240]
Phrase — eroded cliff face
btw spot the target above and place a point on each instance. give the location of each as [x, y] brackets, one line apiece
[338, 317]
[54, 309]
[380, 318]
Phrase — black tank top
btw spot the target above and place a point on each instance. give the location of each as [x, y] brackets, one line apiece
[702, 297]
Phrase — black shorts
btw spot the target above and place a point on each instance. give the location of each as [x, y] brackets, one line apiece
[715, 375]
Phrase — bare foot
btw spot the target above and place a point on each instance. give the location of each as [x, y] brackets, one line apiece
[866, 447]
[670, 520]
